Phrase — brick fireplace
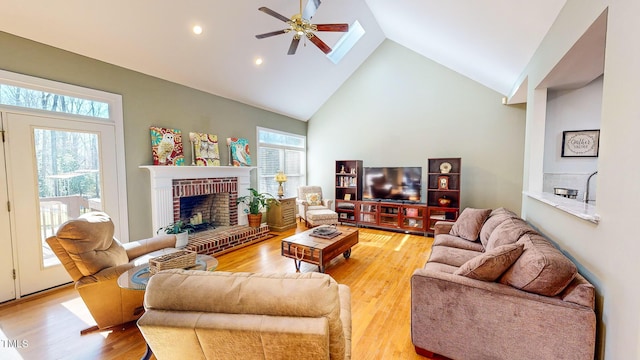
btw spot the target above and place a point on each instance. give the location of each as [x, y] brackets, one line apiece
[167, 182]
[212, 198]
[210, 209]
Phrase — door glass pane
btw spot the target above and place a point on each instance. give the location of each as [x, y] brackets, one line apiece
[68, 180]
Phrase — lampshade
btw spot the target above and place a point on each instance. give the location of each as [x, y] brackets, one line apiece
[281, 177]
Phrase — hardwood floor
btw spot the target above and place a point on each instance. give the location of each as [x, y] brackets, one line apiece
[378, 273]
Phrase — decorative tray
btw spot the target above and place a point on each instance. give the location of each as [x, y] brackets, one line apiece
[326, 232]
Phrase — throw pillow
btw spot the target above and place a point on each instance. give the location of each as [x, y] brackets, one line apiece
[497, 217]
[490, 265]
[469, 223]
[314, 199]
[542, 269]
[506, 233]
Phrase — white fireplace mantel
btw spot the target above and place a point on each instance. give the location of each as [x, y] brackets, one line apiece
[162, 187]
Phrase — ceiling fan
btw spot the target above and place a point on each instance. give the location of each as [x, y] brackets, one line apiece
[301, 26]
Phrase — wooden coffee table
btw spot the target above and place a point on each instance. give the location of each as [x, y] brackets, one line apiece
[319, 251]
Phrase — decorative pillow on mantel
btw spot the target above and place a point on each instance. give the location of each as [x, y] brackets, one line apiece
[490, 265]
[313, 199]
[469, 223]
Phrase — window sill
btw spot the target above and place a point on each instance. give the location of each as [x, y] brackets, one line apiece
[574, 207]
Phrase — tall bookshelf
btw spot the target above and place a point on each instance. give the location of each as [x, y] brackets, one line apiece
[348, 189]
[443, 190]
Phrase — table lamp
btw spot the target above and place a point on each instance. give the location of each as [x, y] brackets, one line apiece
[281, 178]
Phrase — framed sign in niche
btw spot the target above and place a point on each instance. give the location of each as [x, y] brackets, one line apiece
[582, 143]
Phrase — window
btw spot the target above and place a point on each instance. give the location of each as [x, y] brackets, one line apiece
[277, 151]
[42, 100]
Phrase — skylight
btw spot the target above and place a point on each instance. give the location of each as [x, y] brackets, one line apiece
[346, 42]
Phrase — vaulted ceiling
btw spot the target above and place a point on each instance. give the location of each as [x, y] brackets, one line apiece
[489, 41]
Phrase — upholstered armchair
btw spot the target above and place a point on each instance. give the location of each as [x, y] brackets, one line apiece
[224, 315]
[95, 259]
[310, 198]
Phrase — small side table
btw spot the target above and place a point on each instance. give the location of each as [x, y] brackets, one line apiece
[282, 216]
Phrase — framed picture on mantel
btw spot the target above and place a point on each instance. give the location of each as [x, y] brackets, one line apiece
[582, 143]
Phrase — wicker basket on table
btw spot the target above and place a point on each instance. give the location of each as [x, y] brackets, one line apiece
[176, 260]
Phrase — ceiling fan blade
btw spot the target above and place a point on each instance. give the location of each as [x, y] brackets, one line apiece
[294, 46]
[310, 9]
[333, 27]
[268, 11]
[273, 33]
[320, 44]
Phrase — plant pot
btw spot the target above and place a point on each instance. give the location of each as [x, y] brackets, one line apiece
[254, 220]
[182, 239]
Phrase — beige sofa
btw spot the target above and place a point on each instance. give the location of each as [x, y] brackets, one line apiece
[95, 259]
[221, 315]
[494, 288]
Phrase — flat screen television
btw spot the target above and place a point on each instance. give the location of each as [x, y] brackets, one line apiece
[392, 183]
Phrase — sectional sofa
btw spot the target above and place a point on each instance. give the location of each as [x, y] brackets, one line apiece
[494, 288]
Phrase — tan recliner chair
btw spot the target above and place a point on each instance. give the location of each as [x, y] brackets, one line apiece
[194, 314]
[310, 198]
[95, 259]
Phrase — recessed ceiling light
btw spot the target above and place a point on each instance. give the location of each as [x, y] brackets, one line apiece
[258, 61]
[197, 29]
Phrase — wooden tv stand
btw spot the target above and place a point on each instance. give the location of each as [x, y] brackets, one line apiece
[392, 215]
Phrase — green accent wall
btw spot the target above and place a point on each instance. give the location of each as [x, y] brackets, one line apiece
[147, 101]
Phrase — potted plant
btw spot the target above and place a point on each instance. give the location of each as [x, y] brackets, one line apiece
[181, 230]
[255, 202]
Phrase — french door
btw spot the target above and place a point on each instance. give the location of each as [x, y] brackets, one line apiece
[54, 168]
[7, 264]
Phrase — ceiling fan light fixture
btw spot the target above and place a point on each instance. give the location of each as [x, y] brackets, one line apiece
[301, 26]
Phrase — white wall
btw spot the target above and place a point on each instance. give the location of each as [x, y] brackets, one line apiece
[606, 253]
[568, 110]
[578, 109]
[398, 109]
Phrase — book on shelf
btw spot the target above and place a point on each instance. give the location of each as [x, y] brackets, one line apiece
[346, 181]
